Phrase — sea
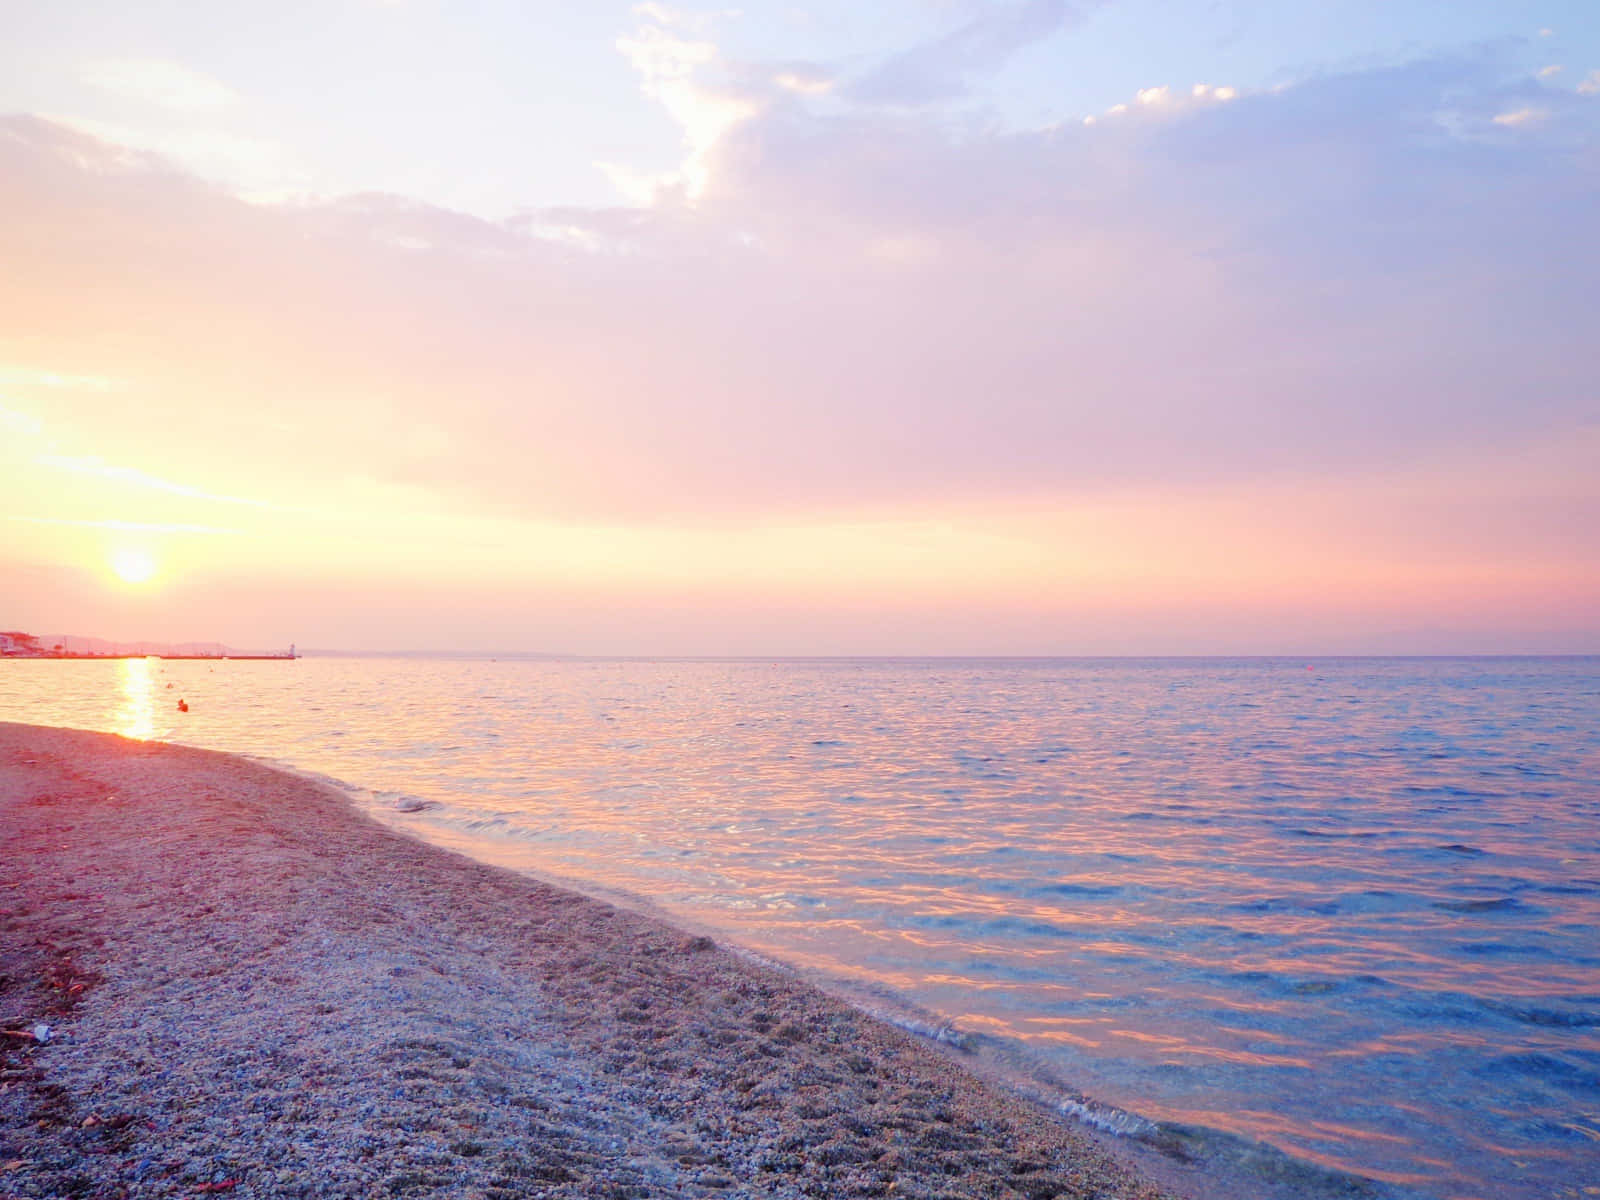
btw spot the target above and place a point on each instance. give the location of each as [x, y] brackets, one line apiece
[1346, 908]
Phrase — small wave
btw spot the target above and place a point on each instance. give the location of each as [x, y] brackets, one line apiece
[1507, 950]
[878, 1001]
[995, 927]
[1035, 890]
[942, 1033]
[1453, 793]
[1573, 887]
[1304, 985]
[1105, 1117]
[1546, 1068]
[1371, 900]
[1530, 1014]
[1080, 889]
[1498, 904]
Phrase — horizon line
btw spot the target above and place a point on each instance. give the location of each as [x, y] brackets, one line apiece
[564, 656]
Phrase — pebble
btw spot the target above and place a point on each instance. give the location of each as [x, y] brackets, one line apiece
[324, 1079]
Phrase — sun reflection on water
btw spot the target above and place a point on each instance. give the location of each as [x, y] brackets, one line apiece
[136, 716]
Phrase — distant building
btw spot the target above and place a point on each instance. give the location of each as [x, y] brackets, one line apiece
[15, 644]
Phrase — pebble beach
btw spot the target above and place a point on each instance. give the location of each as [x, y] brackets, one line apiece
[219, 978]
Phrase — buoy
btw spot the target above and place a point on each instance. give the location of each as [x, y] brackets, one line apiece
[183, 706]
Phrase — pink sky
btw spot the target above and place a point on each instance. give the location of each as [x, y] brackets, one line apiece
[1299, 368]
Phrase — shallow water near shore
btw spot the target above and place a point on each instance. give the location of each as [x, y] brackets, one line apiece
[1347, 907]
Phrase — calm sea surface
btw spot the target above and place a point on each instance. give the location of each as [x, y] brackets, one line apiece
[1351, 909]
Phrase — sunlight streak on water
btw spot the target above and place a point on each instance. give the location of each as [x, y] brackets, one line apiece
[136, 716]
[1353, 911]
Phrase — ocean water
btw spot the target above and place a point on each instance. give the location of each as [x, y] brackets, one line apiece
[1350, 908]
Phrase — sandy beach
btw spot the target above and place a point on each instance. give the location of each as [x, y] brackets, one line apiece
[251, 989]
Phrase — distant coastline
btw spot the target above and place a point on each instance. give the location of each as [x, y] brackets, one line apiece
[280, 656]
[16, 644]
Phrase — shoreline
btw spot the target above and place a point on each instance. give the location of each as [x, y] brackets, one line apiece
[256, 988]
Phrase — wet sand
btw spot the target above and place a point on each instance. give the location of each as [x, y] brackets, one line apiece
[254, 990]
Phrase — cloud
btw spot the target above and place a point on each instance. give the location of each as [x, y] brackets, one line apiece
[1520, 117]
[861, 310]
[31, 377]
[808, 79]
[132, 476]
[255, 167]
[20, 423]
[1590, 85]
[159, 82]
[672, 70]
[944, 67]
[127, 526]
[1163, 102]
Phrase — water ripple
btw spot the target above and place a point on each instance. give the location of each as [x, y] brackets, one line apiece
[1352, 911]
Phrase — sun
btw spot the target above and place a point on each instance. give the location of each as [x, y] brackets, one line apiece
[133, 566]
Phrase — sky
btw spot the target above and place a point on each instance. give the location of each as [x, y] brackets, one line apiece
[921, 327]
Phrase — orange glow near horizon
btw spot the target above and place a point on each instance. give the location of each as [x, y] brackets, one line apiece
[1172, 569]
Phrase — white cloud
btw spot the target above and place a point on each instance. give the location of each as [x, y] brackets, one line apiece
[1522, 116]
[93, 465]
[1551, 71]
[257, 168]
[639, 188]
[803, 80]
[157, 81]
[1163, 100]
[669, 67]
[20, 422]
[1590, 85]
[33, 377]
